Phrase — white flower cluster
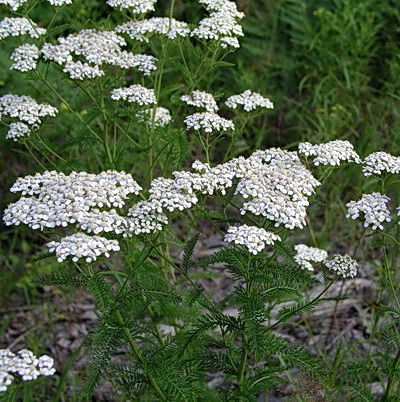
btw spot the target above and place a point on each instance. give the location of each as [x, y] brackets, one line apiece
[25, 58]
[252, 237]
[173, 194]
[374, 208]
[146, 217]
[25, 109]
[343, 265]
[162, 116]
[15, 4]
[96, 48]
[278, 190]
[17, 130]
[60, 200]
[250, 101]
[305, 254]
[80, 245]
[201, 100]
[332, 153]
[81, 71]
[25, 364]
[18, 27]
[381, 162]
[222, 6]
[135, 94]
[134, 6]
[273, 182]
[221, 24]
[209, 122]
[140, 30]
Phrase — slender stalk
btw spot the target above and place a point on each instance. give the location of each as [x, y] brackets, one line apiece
[138, 354]
[391, 381]
[306, 305]
[243, 360]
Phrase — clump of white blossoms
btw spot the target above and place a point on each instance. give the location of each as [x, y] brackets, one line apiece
[305, 255]
[18, 130]
[18, 27]
[80, 245]
[96, 48]
[343, 265]
[80, 71]
[221, 25]
[146, 217]
[15, 4]
[222, 6]
[380, 162]
[25, 364]
[60, 200]
[135, 94]
[25, 108]
[249, 100]
[274, 184]
[278, 190]
[209, 122]
[252, 237]
[201, 100]
[172, 194]
[332, 153]
[373, 207]
[134, 6]
[140, 30]
[161, 118]
[25, 58]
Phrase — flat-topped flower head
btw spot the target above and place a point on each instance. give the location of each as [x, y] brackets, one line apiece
[255, 239]
[134, 6]
[142, 30]
[229, 41]
[96, 48]
[201, 100]
[135, 94]
[305, 255]
[161, 118]
[374, 209]
[18, 27]
[25, 58]
[379, 163]
[25, 108]
[278, 190]
[81, 246]
[61, 200]
[18, 130]
[16, 4]
[222, 6]
[333, 153]
[172, 194]
[208, 122]
[146, 217]
[81, 71]
[249, 100]
[219, 25]
[24, 364]
[342, 265]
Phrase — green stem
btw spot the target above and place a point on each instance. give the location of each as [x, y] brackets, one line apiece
[391, 382]
[243, 360]
[33, 156]
[306, 305]
[138, 354]
[389, 275]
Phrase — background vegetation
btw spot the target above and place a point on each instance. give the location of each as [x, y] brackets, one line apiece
[332, 69]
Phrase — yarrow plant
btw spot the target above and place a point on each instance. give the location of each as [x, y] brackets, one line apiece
[137, 162]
